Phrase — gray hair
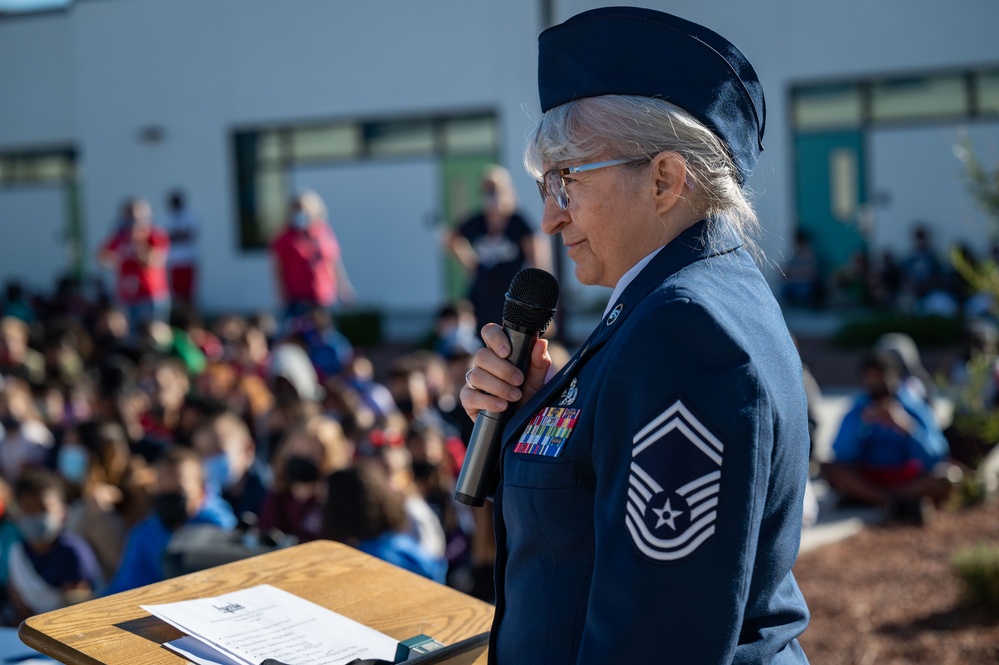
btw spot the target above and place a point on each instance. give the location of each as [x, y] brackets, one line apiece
[618, 126]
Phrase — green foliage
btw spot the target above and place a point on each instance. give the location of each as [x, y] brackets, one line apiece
[982, 276]
[969, 492]
[361, 327]
[978, 568]
[924, 330]
[982, 183]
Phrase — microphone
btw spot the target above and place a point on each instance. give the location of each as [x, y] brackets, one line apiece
[529, 307]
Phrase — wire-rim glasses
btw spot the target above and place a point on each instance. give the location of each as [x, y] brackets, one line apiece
[552, 183]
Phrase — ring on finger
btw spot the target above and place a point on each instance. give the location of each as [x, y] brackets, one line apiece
[468, 379]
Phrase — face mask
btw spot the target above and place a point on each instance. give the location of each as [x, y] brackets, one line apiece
[72, 463]
[39, 529]
[300, 220]
[301, 470]
[171, 508]
[217, 471]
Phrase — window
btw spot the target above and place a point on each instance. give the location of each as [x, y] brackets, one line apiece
[264, 156]
[919, 98]
[828, 107]
[327, 142]
[843, 184]
[385, 139]
[934, 97]
[470, 135]
[988, 93]
[56, 166]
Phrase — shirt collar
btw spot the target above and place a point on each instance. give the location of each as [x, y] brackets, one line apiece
[626, 279]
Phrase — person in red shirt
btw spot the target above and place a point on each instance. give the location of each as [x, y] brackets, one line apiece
[137, 250]
[309, 270]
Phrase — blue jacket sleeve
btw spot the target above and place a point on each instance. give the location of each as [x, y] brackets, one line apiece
[721, 592]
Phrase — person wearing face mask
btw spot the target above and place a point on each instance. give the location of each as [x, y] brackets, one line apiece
[52, 568]
[305, 457]
[231, 467]
[889, 452]
[180, 497]
[494, 244]
[9, 535]
[106, 492]
[309, 269]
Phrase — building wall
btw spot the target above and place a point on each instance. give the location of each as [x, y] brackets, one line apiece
[200, 69]
[36, 81]
[101, 74]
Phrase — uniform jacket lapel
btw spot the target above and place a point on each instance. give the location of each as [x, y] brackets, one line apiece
[679, 253]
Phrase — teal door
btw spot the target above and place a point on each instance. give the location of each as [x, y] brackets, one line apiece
[829, 175]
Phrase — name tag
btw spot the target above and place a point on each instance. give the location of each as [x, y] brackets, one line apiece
[547, 432]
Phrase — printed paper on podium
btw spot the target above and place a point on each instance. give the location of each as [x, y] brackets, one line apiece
[252, 625]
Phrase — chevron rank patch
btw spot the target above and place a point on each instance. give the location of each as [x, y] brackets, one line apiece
[548, 431]
[676, 466]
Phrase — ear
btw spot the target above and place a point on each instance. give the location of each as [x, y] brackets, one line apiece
[670, 170]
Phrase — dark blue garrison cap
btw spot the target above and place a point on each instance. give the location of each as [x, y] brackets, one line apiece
[635, 51]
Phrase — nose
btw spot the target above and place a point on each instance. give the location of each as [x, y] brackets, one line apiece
[553, 218]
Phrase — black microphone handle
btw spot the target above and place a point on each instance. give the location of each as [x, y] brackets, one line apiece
[479, 470]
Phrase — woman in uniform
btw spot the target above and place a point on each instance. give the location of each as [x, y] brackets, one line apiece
[649, 503]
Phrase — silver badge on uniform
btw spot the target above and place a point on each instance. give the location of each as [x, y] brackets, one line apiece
[612, 317]
[569, 394]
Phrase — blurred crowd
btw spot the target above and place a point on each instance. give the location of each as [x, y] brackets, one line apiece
[913, 441]
[921, 279]
[140, 441]
[272, 432]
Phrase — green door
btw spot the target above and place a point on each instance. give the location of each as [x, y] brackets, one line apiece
[829, 174]
[462, 195]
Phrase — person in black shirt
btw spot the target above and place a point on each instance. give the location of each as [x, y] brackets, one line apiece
[494, 244]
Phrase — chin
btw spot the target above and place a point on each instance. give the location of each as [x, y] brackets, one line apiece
[584, 277]
[590, 279]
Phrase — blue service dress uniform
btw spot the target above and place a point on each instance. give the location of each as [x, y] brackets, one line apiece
[650, 495]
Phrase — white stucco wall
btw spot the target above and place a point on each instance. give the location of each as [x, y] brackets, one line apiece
[96, 75]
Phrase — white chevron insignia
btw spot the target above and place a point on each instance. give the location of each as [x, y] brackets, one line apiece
[669, 523]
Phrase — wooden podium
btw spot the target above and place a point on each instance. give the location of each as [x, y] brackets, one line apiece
[116, 631]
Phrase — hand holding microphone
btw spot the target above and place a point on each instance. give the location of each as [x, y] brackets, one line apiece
[511, 367]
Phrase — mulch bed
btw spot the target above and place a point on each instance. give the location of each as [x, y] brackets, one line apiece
[888, 595]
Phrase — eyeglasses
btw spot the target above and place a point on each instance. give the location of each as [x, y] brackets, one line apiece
[553, 185]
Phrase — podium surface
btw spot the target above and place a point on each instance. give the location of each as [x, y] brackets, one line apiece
[116, 631]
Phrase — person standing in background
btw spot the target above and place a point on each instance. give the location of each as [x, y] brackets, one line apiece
[309, 270]
[137, 250]
[494, 244]
[182, 225]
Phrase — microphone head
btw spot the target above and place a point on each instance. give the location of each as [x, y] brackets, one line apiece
[530, 302]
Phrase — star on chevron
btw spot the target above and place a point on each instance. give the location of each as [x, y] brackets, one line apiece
[667, 516]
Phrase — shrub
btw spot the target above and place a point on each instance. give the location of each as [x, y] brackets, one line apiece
[361, 327]
[924, 330]
[978, 569]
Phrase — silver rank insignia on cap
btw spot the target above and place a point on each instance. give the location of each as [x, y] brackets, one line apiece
[569, 394]
[616, 312]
